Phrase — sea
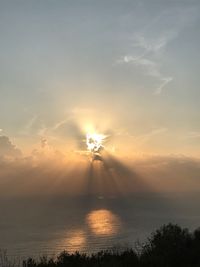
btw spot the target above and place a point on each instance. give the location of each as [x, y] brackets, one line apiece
[45, 226]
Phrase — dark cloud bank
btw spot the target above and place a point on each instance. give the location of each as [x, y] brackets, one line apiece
[54, 173]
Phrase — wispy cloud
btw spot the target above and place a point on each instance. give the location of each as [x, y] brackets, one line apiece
[142, 138]
[165, 81]
[193, 135]
[147, 136]
[147, 60]
[29, 125]
[153, 45]
[8, 149]
[149, 45]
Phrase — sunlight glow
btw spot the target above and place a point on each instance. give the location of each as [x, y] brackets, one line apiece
[95, 142]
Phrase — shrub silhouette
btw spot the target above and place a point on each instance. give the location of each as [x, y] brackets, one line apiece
[194, 253]
[168, 246]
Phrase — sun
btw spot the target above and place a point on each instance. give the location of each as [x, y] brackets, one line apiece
[95, 142]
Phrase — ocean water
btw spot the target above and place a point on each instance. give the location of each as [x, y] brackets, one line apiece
[35, 226]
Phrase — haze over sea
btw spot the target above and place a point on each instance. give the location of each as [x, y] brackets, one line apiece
[47, 226]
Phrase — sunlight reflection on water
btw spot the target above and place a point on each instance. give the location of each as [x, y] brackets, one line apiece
[75, 241]
[98, 224]
[103, 222]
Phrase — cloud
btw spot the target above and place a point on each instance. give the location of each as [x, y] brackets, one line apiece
[145, 137]
[153, 45]
[193, 135]
[30, 125]
[7, 149]
[165, 81]
[149, 45]
[49, 172]
[141, 138]
[171, 173]
[44, 143]
[148, 61]
[150, 68]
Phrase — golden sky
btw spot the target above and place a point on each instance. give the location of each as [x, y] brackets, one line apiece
[126, 70]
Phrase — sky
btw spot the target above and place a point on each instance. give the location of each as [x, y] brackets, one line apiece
[126, 69]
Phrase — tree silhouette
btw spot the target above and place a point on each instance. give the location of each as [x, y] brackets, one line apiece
[169, 246]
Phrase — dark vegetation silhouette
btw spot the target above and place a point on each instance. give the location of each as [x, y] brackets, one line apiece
[169, 246]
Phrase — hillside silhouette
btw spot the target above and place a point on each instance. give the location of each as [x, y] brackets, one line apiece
[169, 246]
